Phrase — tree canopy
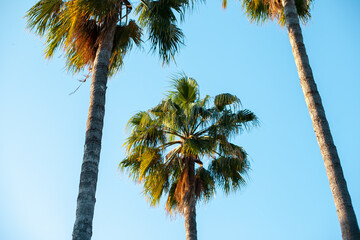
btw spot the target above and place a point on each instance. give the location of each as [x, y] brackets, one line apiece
[259, 11]
[77, 27]
[185, 129]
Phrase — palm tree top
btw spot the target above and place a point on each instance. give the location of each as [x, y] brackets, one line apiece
[260, 11]
[77, 27]
[186, 129]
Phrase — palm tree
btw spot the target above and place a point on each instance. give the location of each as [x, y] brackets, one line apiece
[288, 13]
[97, 35]
[169, 143]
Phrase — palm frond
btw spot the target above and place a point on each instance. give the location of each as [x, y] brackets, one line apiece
[58, 32]
[257, 10]
[171, 203]
[97, 10]
[149, 158]
[131, 165]
[229, 172]
[160, 20]
[156, 182]
[199, 145]
[43, 15]
[140, 119]
[303, 8]
[245, 118]
[173, 155]
[204, 184]
[186, 90]
[226, 99]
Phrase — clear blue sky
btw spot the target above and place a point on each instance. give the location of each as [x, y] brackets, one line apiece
[287, 196]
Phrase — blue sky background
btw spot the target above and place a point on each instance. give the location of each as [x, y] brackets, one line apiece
[287, 196]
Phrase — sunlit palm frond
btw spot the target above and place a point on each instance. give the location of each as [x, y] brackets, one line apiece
[203, 102]
[150, 157]
[186, 90]
[156, 183]
[140, 119]
[148, 138]
[57, 34]
[43, 15]
[257, 10]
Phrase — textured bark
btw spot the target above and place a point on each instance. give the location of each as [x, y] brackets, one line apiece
[190, 204]
[89, 169]
[344, 208]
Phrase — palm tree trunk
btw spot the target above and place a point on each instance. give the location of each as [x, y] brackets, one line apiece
[89, 169]
[190, 204]
[345, 211]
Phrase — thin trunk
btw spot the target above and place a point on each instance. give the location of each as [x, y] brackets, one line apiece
[89, 169]
[190, 204]
[344, 208]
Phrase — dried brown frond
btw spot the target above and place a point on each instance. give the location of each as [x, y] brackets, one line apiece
[81, 45]
[182, 189]
[275, 8]
[170, 153]
[86, 35]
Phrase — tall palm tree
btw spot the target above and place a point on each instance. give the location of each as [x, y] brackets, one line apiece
[97, 35]
[169, 143]
[288, 13]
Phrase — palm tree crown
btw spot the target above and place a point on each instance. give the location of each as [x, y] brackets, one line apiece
[260, 11]
[78, 27]
[168, 140]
